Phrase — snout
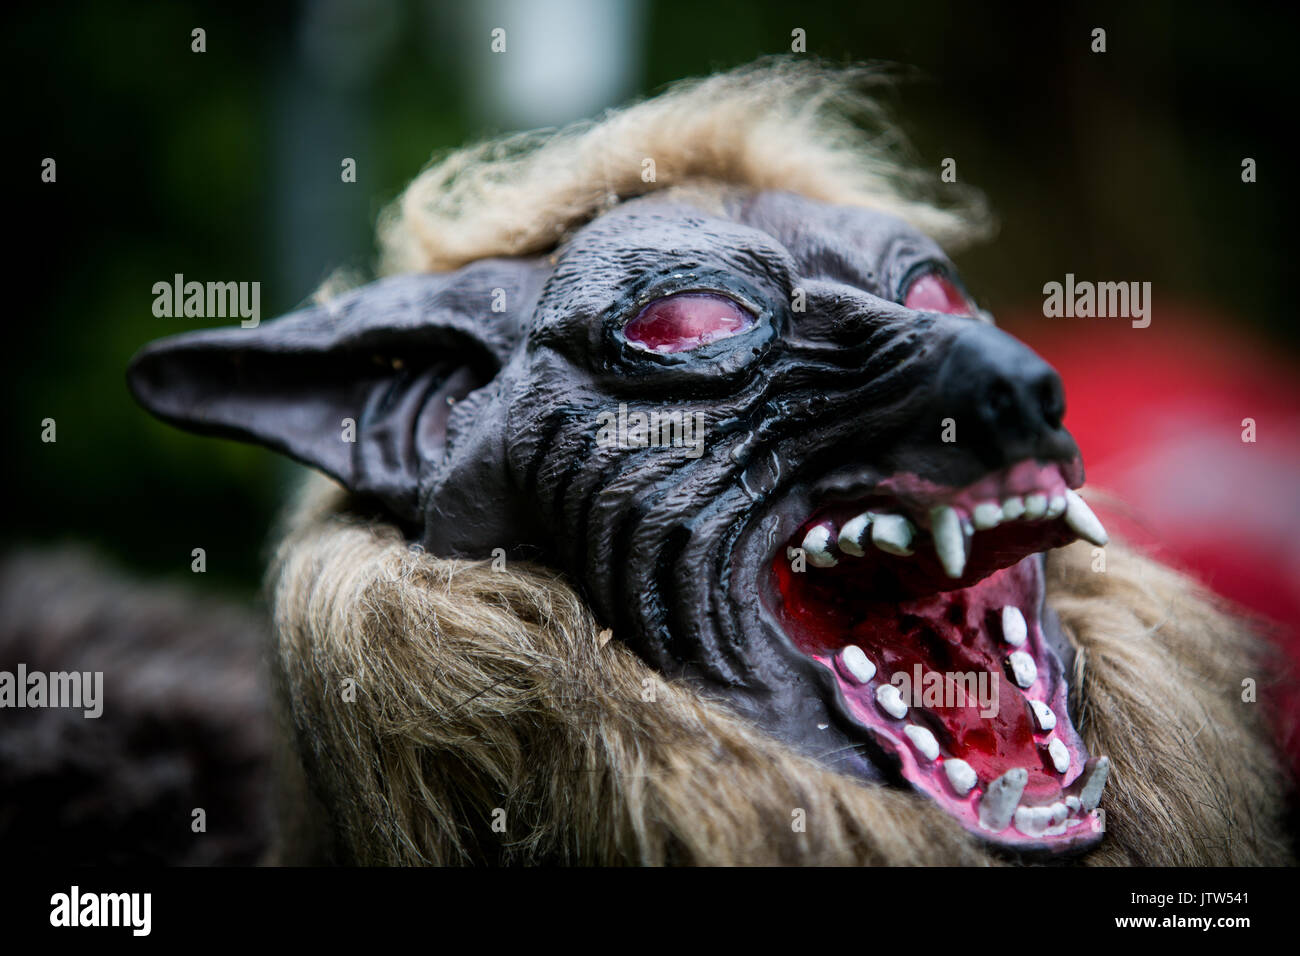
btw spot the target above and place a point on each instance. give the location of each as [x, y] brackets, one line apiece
[1006, 402]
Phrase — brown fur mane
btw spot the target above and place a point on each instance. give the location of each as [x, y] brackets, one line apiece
[479, 690]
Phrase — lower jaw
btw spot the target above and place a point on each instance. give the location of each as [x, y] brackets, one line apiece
[957, 699]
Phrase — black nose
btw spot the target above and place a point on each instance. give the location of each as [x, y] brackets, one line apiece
[1006, 401]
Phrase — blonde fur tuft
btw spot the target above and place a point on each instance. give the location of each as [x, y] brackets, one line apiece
[778, 124]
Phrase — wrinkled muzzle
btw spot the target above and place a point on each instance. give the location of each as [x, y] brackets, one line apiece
[903, 565]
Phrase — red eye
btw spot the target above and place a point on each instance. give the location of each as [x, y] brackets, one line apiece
[934, 293]
[678, 323]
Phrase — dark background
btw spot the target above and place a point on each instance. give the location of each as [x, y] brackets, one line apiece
[225, 166]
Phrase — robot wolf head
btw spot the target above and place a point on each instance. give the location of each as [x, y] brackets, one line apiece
[771, 439]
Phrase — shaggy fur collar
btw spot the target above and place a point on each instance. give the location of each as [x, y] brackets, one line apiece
[445, 712]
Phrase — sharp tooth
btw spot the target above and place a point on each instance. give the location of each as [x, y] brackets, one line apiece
[817, 545]
[1032, 821]
[1083, 522]
[1000, 799]
[857, 664]
[1014, 629]
[1059, 812]
[892, 533]
[1096, 772]
[854, 533]
[1023, 668]
[1035, 506]
[1060, 756]
[949, 541]
[1013, 508]
[922, 740]
[987, 515]
[1055, 507]
[1072, 804]
[960, 775]
[890, 701]
[1043, 715]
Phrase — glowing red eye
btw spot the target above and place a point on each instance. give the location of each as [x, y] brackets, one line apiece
[678, 323]
[934, 293]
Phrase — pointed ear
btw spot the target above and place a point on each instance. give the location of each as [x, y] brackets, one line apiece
[360, 387]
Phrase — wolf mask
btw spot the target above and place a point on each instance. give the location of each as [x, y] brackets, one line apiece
[772, 441]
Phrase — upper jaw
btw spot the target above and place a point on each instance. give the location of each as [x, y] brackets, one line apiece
[916, 510]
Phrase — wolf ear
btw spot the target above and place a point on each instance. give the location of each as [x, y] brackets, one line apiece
[361, 387]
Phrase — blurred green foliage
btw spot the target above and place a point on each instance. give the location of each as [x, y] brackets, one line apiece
[1120, 166]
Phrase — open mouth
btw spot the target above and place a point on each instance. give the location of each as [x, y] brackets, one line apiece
[926, 604]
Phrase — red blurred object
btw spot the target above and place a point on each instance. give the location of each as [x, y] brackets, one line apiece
[1159, 414]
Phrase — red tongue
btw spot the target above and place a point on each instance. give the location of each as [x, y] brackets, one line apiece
[955, 632]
